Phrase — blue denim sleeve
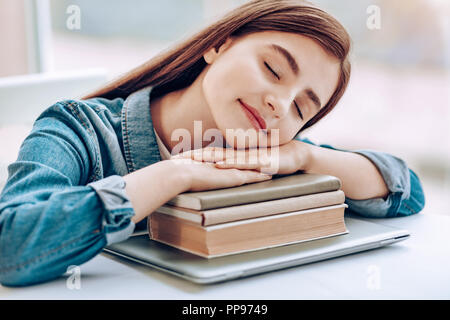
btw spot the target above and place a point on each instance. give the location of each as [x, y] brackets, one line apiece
[406, 196]
[50, 216]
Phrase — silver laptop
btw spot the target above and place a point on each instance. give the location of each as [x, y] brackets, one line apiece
[363, 235]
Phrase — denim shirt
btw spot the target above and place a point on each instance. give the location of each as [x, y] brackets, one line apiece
[65, 199]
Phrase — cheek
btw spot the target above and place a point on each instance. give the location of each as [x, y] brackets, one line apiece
[233, 77]
[288, 128]
[229, 79]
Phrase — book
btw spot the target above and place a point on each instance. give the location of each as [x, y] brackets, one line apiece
[254, 210]
[281, 186]
[249, 234]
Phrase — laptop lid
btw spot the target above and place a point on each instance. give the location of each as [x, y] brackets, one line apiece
[363, 235]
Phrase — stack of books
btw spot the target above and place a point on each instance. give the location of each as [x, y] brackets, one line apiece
[284, 210]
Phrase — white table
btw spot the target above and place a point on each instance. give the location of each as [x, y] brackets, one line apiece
[418, 268]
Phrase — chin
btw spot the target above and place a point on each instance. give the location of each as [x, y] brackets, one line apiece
[242, 135]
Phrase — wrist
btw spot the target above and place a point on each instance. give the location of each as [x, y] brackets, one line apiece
[181, 172]
[304, 156]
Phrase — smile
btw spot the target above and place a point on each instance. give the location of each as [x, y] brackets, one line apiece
[253, 115]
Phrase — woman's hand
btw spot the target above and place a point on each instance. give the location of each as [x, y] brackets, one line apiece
[284, 159]
[202, 176]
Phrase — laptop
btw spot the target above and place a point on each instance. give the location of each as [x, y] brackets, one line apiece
[363, 235]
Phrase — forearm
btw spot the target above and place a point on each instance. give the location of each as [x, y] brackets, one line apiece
[359, 176]
[152, 186]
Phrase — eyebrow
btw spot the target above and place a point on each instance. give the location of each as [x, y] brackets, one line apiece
[288, 56]
[295, 69]
[314, 98]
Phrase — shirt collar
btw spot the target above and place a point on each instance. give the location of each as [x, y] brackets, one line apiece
[139, 139]
[163, 151]
[142, 146]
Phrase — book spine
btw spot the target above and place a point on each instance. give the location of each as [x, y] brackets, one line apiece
[151, 234]
[185, 201]
[263, 195]
[178, 233]
[254, 210]
[182, 214]
[267, 208]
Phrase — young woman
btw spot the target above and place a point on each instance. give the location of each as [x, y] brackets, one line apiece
[91, 170]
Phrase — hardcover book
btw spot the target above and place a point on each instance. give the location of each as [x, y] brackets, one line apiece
[249, 234]
[254, 210]
[282, 186]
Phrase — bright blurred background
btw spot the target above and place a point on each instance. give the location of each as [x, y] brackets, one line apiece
[398, 100]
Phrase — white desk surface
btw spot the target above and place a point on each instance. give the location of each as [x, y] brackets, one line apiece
[418, 268]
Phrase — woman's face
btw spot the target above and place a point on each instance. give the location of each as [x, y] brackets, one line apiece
[286, 92]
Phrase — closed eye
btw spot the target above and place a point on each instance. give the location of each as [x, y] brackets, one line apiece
[299, 111]
[271, 70]
[276, 75]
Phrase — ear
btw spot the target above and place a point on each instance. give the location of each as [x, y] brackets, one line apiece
[211, 55]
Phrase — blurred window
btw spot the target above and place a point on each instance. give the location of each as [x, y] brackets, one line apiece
[120, 35]
[398, 100]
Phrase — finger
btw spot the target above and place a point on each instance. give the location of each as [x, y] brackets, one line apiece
[209, 154]
[183, 161]
[242, 163]
[213, 154]
[241, 166]
[257, 176]
[185, 154]
[217, 154]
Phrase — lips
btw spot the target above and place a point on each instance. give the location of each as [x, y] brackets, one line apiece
[254, 115]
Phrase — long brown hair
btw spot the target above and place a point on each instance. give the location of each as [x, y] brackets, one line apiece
[178, 66]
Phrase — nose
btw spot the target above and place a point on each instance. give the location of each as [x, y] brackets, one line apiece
[278, 105]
